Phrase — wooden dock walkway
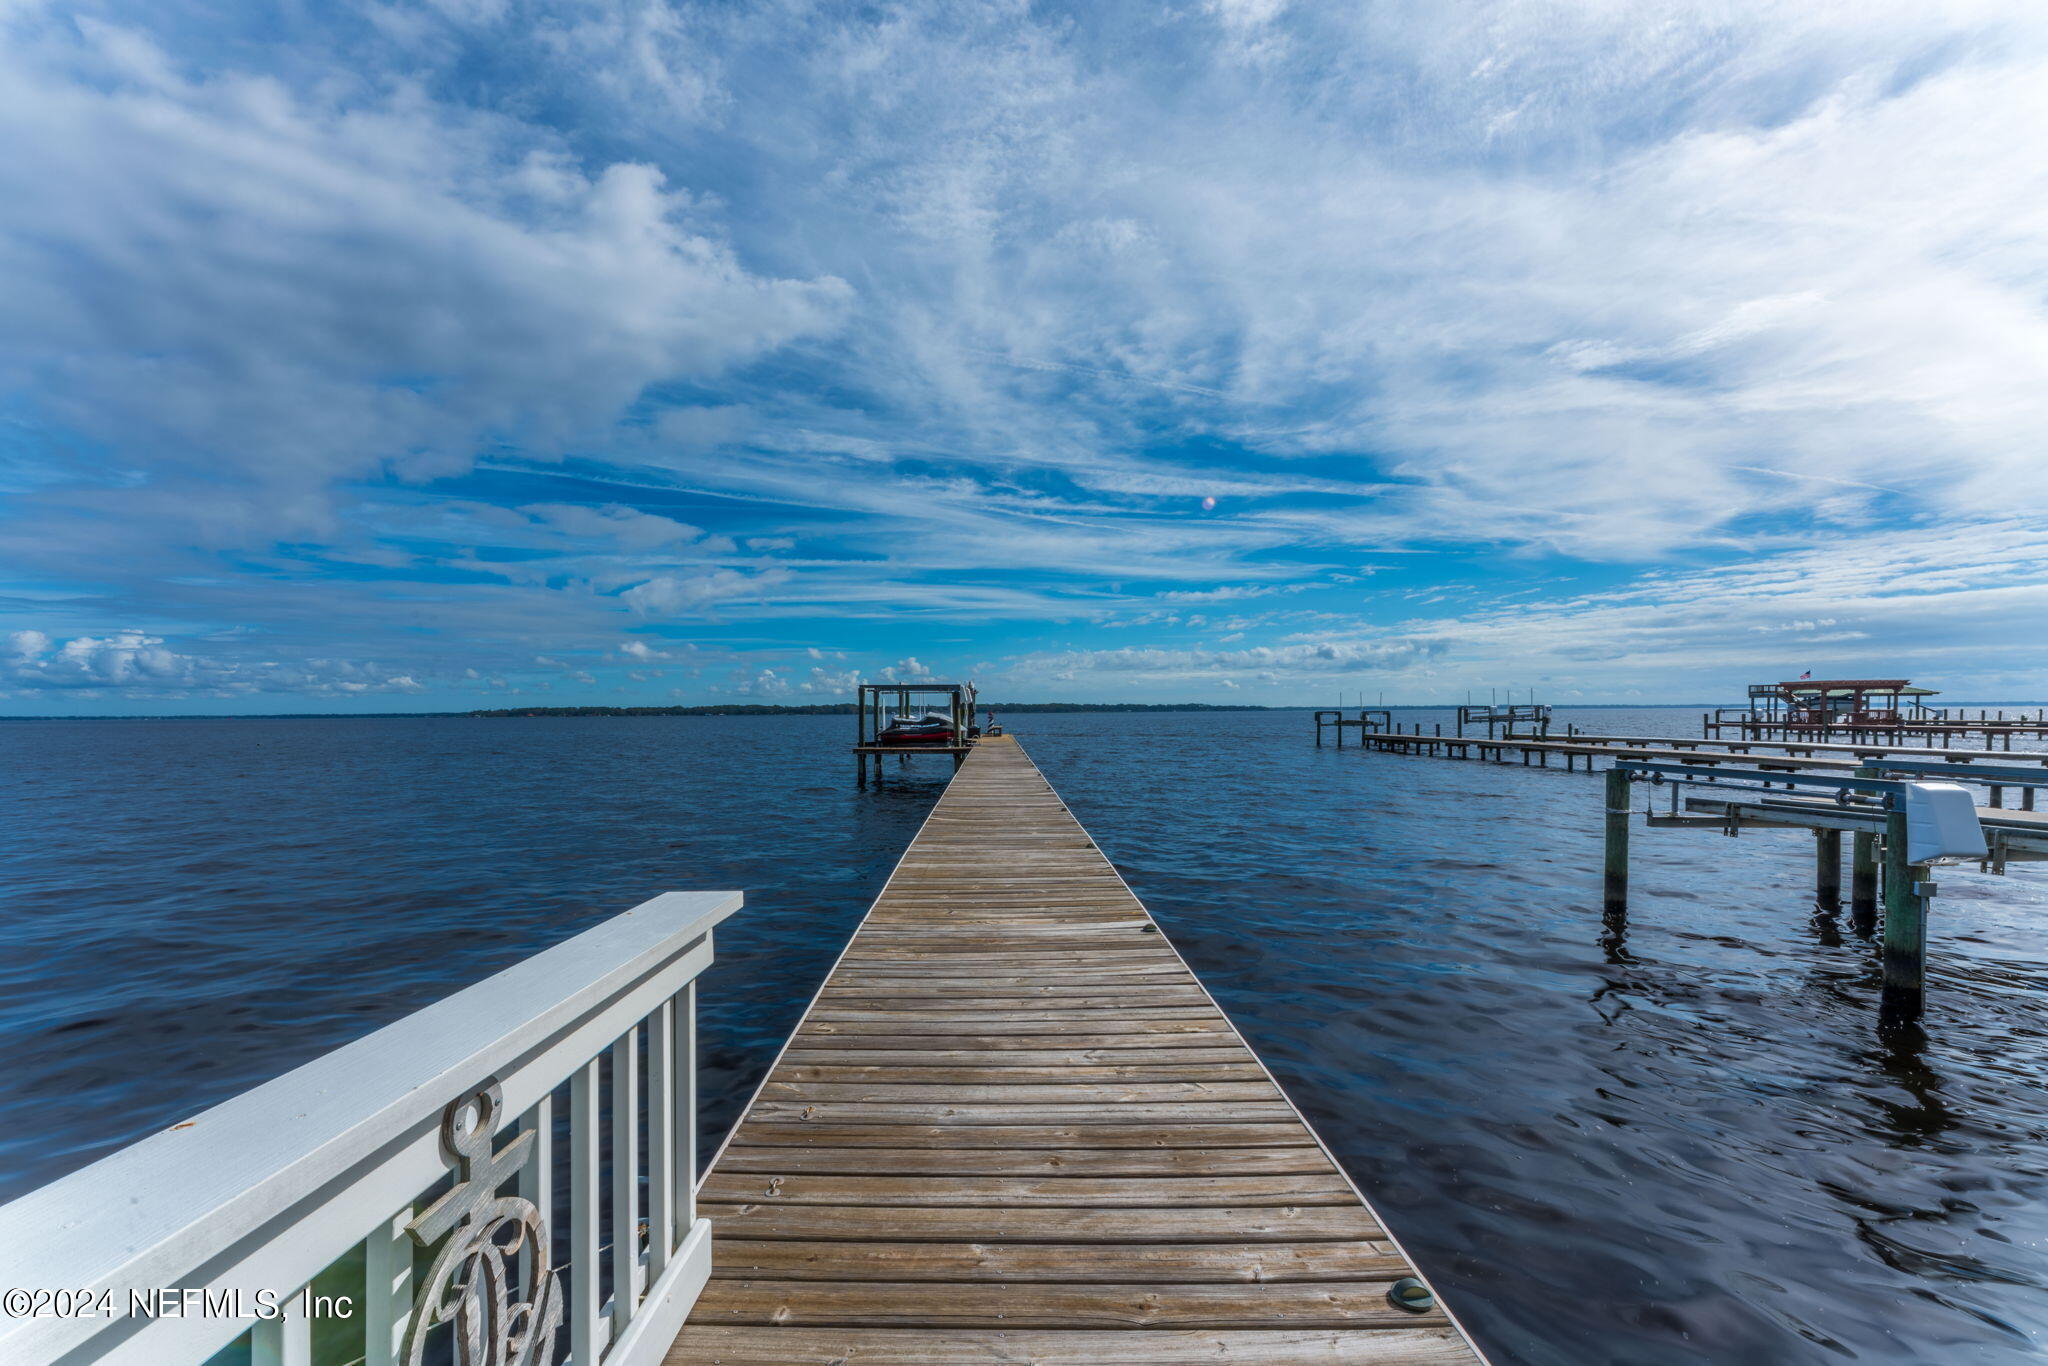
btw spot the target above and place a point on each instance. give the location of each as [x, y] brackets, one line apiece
[1013, 1127]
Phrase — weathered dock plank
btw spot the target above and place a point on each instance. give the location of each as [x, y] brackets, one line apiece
[792, 1346]
[1013, 1127]
[1065, 1263]
[1335, 1304]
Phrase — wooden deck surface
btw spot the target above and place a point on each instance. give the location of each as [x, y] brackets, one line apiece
[1014, 1128]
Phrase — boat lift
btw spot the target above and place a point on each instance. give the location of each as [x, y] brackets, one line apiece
[875, 702]
[1902, 829]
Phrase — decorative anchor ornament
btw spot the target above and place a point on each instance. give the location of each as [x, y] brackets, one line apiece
[471, 1282]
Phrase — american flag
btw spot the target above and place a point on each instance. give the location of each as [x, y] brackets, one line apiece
[1807, 674]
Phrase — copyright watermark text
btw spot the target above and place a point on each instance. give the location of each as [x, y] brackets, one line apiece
[173, 1302]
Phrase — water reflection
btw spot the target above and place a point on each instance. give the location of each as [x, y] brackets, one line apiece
[1903, 1059]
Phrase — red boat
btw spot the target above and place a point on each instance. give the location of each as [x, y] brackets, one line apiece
[933, 728]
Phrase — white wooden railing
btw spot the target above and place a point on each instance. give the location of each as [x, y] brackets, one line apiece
[174, 1248]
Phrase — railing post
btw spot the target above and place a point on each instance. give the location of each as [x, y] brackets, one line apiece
[686, 1110]
[625, 1179]
[283, 1341]
[584, 1290]
[1616, 891]
[537, 1180]
[661, 1143]
[387, 1303]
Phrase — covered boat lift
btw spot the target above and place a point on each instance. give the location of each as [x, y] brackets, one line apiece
[877, 702]
[1862, 709]
[1840, 702]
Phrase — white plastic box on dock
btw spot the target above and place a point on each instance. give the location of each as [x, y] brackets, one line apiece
[1942, 823]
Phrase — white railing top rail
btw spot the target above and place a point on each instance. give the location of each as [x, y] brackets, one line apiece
[263, 1191]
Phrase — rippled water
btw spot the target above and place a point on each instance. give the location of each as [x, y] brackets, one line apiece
[1678, 1140]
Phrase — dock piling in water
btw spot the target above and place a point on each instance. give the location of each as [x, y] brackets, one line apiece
[1615, 897]
[1863, 874]
[1863, 883]
[1827, 882]
[1905, 922]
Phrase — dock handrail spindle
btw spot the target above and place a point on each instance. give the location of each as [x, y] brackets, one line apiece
[245, 1204]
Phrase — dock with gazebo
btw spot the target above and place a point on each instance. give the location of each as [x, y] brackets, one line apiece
[1862, 709]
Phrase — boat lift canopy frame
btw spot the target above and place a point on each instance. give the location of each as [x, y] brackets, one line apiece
[905, 699]
[1656, 774]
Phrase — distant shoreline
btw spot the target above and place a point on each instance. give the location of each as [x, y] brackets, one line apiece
[848, 709]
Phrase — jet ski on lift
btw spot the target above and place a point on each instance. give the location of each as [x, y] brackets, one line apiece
[933, 728]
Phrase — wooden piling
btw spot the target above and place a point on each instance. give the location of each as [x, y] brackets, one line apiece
[1905, 922]
[1827, 887]
[1863, 873]
[1863, 882]
[1616, 894]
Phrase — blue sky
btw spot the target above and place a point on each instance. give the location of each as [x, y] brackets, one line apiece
[414, 356]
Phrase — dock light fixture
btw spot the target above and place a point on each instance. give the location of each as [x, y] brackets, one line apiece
[1412, 1295]
[1942, 825]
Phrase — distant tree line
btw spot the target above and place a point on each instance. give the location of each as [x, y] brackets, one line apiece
[849, 709]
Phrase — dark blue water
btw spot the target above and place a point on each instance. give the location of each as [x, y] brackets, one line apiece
[1680, 1139]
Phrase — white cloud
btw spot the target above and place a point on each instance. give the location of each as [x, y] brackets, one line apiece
[1856, 606]
[767, 682]
[1229, 592]
[26, 645]
[840, 683]
[1283, 662]
[909, 670]
[1572, 270]
[627, 527]
[136, 664]
[128, 657]
[274, 285]
[670, 595]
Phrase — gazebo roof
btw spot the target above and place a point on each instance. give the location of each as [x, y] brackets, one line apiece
[1850, 687]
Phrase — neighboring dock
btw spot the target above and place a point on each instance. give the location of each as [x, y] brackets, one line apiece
[2014, 833]
[1014, 1127]
[1783, 755]
[1884, 709]
[1860, 787]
